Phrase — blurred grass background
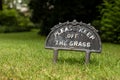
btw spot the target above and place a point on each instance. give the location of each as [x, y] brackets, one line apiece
[23, 57]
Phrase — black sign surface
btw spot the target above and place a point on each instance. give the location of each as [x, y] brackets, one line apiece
[74, 36]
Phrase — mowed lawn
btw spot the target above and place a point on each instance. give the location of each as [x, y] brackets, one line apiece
[24, 57]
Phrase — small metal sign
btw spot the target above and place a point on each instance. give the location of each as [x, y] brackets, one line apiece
[73, 36]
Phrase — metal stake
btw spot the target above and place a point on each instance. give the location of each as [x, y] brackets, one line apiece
[55, 56]
[87, 57]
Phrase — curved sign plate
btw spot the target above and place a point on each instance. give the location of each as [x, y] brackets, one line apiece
[74, 36]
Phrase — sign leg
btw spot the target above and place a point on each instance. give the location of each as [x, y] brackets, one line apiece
[87, 57]
[55, 56]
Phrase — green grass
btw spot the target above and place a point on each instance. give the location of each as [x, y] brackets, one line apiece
[23, 57]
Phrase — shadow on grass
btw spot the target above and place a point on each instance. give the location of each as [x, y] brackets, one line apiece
[74, 61]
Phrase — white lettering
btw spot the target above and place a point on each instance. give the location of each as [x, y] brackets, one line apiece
[66, 29]
[92, 37]
[75, 43]
[85, 31]
[88, 44]
[88, 34]
[61, 43]
[72, 35]
[61, 30]
[84, 44]
[56, 34]
[81, 44]
[71, 43]
[76, 35]
[56, 42]
[81, 30]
